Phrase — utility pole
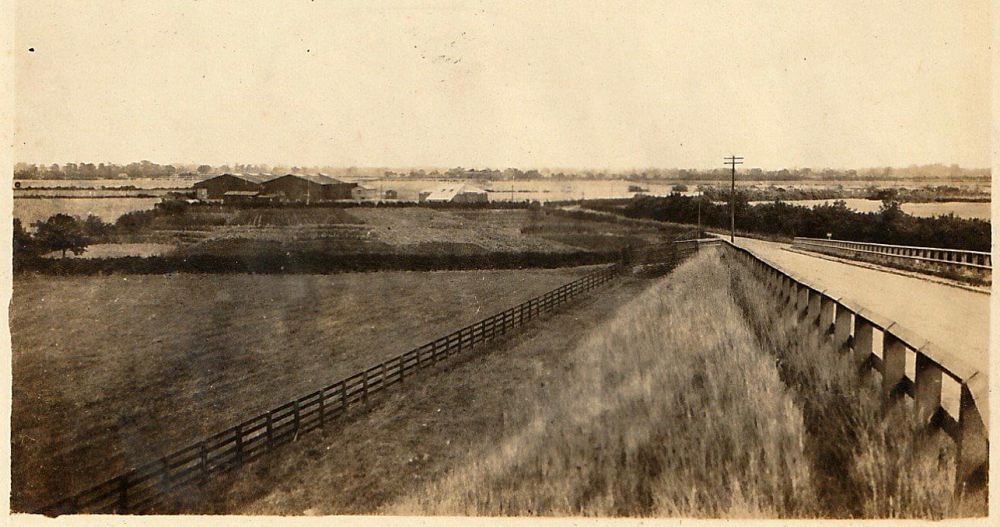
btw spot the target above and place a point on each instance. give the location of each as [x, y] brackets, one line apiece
[732, 161]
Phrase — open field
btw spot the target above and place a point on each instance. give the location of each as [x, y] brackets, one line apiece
[31, 210]
[691, 398]
[418, 433]
[112, 371]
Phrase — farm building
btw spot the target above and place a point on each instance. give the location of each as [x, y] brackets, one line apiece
[363, 193]
[308, 188]
[456, 193]
[239, 196]
[391, 194]
[216, 187]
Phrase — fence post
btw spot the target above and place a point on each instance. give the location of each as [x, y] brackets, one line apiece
[123, 493]
[343, 396]
[203, 456]
[927, 389]
[842, 328]
[322, 407]
[893, 363]
[270, 430]
[364, 386]
[295, 420]
[238, 455]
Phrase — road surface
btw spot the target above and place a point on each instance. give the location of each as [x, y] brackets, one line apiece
[957, 320]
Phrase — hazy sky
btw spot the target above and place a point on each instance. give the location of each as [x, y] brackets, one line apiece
[609, 84]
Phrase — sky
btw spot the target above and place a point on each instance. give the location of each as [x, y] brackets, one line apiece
[480, 84]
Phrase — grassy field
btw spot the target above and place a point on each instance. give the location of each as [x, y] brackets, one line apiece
[110, 371]
[419, 432]
[689, 397]
[409, 230]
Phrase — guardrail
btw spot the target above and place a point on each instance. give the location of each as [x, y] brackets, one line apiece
[851, 327]
[920, 258]
[141, 488]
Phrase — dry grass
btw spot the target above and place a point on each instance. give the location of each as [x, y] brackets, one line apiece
[116, 370]
[667, 409]
[868, 461]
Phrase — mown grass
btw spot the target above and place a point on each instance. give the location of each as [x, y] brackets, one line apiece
[113, 371]
[667, 409]
[869, 460]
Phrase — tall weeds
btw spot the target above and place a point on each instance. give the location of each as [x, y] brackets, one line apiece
[868, 460]
[669, 409]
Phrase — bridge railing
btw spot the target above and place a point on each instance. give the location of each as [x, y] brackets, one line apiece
[934, 258]
[909, 364]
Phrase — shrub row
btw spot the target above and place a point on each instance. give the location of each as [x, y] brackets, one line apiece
[314, 262]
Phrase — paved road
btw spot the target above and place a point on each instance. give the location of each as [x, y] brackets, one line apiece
[956, 319]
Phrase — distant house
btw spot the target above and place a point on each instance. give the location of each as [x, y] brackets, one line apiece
[391, 194]
[364, 193]
[455, 193]
[215, 188]
[308, 188]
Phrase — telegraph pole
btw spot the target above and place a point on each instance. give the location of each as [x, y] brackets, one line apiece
[732, 161]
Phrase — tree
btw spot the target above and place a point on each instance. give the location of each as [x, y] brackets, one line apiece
[24, 247]
[61, 233]
[204, 169]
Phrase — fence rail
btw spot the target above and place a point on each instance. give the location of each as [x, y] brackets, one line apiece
[853, 328]
[143, 487]
[976, 262]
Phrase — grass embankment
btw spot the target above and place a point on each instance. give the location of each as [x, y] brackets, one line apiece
[868, 461]
[115, 370]
[699, 399]
[667, 409]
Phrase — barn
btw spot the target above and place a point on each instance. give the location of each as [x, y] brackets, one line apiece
[455, 193]
[215, 188]
[308, 188]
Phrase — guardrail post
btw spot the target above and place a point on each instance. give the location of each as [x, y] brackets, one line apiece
[801, 300]
[863, 339]
[973, 446]
[926, 390]
[812, 311]
[893, 364]
[826, 320]
[842, 328]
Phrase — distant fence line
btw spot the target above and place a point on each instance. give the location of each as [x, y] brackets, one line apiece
[141, 488]
[974, 263]
[837, 317]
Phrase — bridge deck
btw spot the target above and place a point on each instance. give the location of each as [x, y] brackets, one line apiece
[955, 319]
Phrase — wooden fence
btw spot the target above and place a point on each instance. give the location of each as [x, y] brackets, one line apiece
[141, 488]
[855, 329]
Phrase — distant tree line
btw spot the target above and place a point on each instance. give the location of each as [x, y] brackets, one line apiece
[148, 169]
[889, 225]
